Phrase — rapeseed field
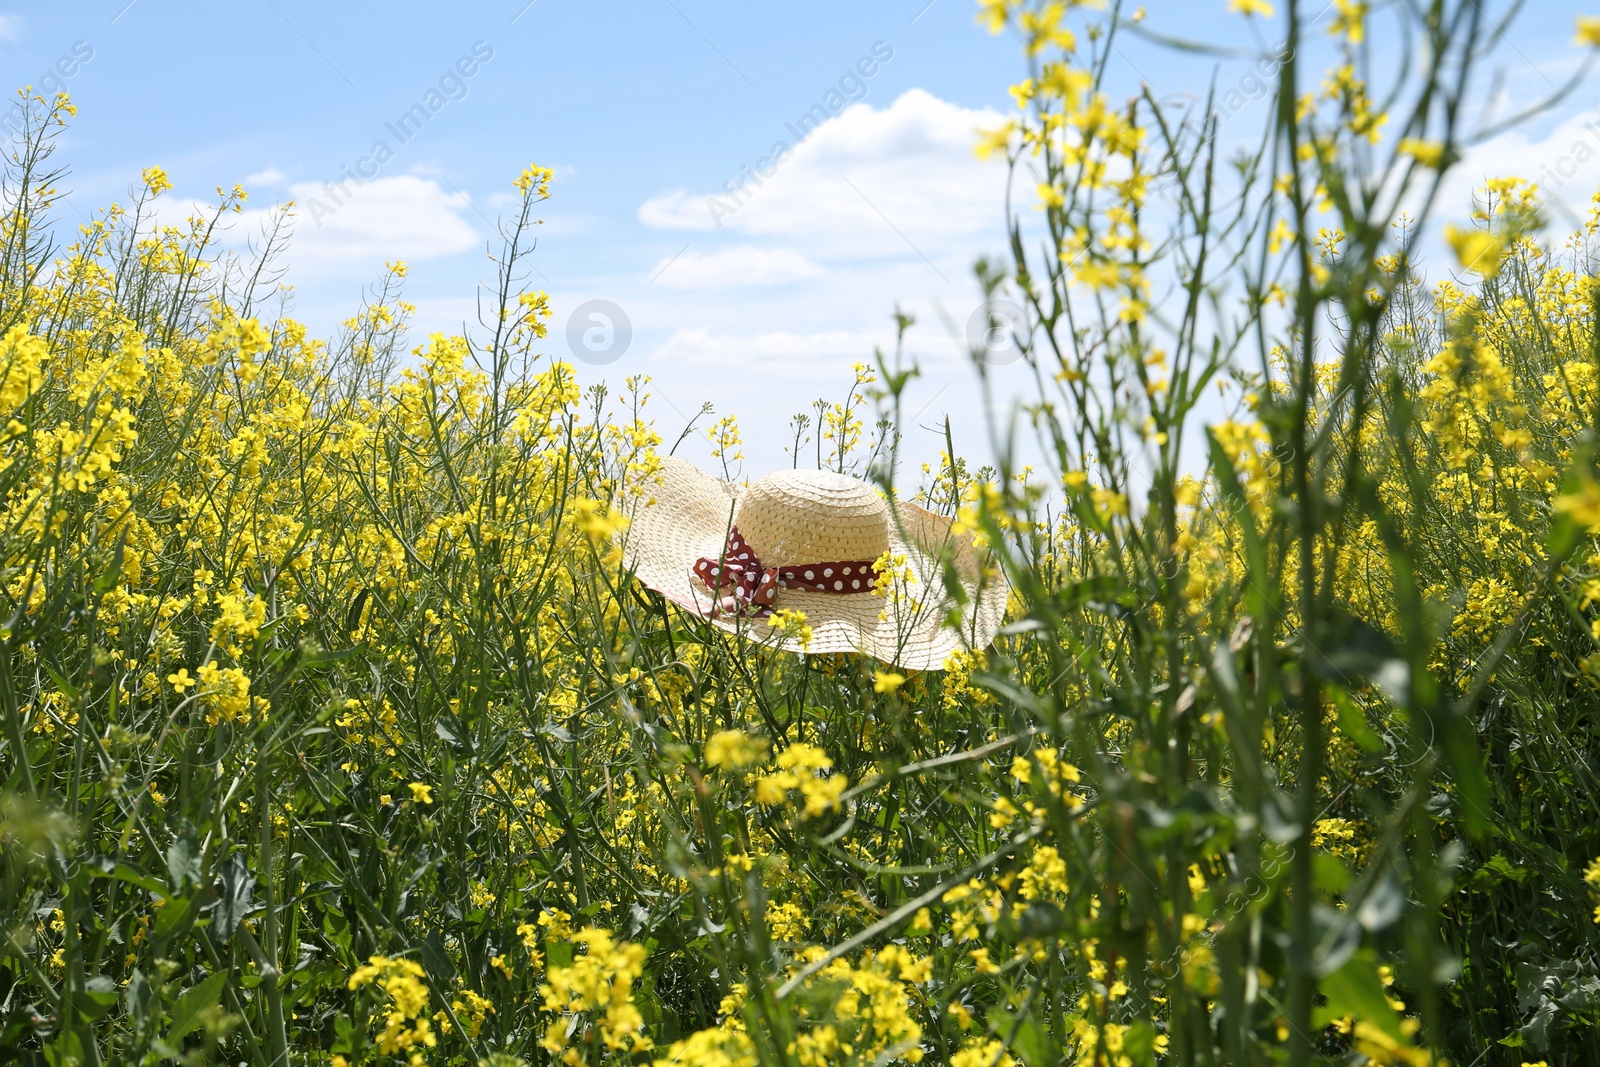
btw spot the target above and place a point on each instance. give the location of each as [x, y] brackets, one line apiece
[338, 726]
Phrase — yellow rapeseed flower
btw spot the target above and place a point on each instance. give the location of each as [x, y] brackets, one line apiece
[987, 1052]
[993, 140]
[791, 624]
[156, 180]
[598, 523]
[421, 793]
[734, 750]
[1478, 250]
[1583, 504]
[534, 180]
[1428, 153]
[887, 681]
[1351, 23]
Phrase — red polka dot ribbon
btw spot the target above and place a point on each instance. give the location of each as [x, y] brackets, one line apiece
[744, 586]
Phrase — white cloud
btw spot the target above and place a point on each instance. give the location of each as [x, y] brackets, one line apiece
[728, 267]
[677, 210]
[899, 180]
[270, 176]
[775, 353]
[892, 206]
[1564, 163]
[404, 217]
[10, 27]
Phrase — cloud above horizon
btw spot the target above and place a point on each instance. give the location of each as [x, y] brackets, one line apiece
[868, 182]
[1564, 163]
[742, 266]
[404, 217]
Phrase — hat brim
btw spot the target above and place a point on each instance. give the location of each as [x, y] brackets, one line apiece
[688, 514]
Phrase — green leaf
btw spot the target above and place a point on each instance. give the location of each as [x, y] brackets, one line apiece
[176, 916]
[101, 990]
[346, 1038]
[126, 872]
[1563, 537]
[1466, 766]
[1498, 869]
[1032, 1044]
[235, 896]
[435, 958]
[187, 1011]
[353, 616]
[98, 996]
[1349, 651]
[109, 577]
[139, 997]
[65, 1051]
[1331, 875]
[1353, 721]
[1254, 548]
[1139, 1043]
[1565, 533]
[1101, 587]
[61, 683]
[318, 659]
[183, 865]
[1338, 939]
[1538, 1028]
[1021, 696]
[1355, 989]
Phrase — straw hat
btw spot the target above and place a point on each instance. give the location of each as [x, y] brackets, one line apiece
[807, 541]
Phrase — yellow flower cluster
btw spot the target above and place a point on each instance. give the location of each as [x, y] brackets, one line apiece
[802, 767]
[406, 1028]
[225, 692]
[734, 750]
[856, 1014]
[792, 624]
[22, 358]
[593, 999]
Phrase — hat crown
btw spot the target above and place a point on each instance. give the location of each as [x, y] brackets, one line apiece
[812, 516]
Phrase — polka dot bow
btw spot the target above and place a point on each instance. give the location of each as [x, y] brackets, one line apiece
[744, 586]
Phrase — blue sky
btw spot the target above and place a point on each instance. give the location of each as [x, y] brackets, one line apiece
[645, 109]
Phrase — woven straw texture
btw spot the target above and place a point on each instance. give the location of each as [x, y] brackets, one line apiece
[794, 517]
